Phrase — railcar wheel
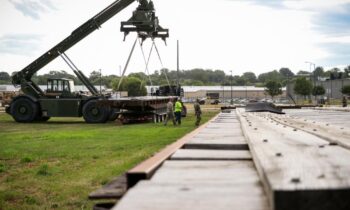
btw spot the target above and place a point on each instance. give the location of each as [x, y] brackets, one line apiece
[93, 113]
[24, 110]
[113, 115]
[42, 119]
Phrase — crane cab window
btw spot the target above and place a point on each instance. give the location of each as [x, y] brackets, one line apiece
[59, 85]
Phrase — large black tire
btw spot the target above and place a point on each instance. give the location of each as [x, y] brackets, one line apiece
[24, 110]
[94, 113]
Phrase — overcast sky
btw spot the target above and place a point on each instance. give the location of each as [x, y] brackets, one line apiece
[238, 35]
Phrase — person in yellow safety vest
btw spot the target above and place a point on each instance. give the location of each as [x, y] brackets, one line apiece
[178, 110]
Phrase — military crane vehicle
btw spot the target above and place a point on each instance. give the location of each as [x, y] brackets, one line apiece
[60, 99]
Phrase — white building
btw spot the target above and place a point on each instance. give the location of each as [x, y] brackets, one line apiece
[224, 92]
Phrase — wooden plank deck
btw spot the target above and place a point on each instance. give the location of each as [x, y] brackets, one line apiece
[324, 128]
[200, 185]
[298, 161]
[203, 175]
[205, 154]
[222, 143]
[299, 170]
[331, 117]
[147, 168]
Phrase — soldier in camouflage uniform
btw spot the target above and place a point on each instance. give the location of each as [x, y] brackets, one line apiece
[345, 101]
[170, 113]
[198, 112]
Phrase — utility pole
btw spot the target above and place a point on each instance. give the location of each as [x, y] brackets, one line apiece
[178, 66]
[310, 70]
[100, 81]
[223, 93]
[231, 102]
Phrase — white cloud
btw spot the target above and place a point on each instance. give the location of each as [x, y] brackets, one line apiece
[33, 8]
[317, 5]
[220, 34]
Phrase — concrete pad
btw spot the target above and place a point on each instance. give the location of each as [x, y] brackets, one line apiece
[195, 154]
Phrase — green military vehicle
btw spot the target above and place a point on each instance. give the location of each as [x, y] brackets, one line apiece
[60, 99]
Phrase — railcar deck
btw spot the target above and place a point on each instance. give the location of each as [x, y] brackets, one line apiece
[244, 160]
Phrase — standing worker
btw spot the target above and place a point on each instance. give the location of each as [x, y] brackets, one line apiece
[345, 101]
[197, 112]
[178, 110]
[170, 112]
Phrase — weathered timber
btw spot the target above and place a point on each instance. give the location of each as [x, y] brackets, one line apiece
[323, 116]
[113, 190]
[174, 171]
[195, 154]
[328, 131]
[223, 143]
[203, 185]
[146, 169]
[299, 171]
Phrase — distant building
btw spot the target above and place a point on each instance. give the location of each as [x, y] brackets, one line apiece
[223, 92]
[332, 87]
[8, 88]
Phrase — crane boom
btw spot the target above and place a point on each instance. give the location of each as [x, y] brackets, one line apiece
[24, 76]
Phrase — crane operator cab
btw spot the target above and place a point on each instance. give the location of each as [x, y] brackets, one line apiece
[60, 87]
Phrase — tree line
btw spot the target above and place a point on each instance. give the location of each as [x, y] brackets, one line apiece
[193, 77]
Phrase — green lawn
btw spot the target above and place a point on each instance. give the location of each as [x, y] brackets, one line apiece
[55, 165]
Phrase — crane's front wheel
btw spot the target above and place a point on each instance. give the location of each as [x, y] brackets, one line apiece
[24, 110]
[94, 113]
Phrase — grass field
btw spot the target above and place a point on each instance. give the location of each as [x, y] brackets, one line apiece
[55, 165]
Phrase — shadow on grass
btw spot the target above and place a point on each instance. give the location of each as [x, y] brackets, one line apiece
[61, 123]
[10, 123]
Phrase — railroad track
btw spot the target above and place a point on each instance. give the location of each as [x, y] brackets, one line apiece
[242, 160]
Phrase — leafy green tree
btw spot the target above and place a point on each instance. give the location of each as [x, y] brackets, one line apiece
[272, 75]
[42, 79]
[346, 90]
[95, 76]
[286, 72]
[249, 77]
[303, 87]
[334, 73]
[241, 81]
[115, 82]
[273, 88]
[302, 72]
[190, 82]
[318, 90]
[318, 72]
[5, 78]
[139, 75]
[132, 85]
[105, 80]
[347, 71]
[218, 76]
